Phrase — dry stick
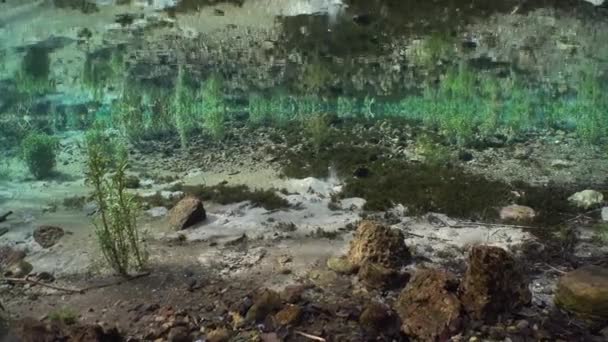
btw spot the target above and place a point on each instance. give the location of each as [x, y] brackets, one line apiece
[35, 282]
[118, 282]
[312, 337]
[80, 291]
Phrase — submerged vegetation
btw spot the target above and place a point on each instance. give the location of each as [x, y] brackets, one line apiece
[39, 153]
[33, 77]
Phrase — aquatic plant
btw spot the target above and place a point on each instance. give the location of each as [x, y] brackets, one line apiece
[33, 76]
[100, 70]
[39, 151]
[212, 107]
[258, 109]
[317, 129]
[433, 48]
[314, 77]
[64, 316]
[127, 114]
[346, 107]
[182, 106]
[117, 232]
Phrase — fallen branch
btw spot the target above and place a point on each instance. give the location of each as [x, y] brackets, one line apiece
[312, 337]
[556, 269]
[4, 216]
[26, 280]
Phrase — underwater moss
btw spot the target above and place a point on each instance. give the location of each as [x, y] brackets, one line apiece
[64, 315]
[227, 194]
[317, 129]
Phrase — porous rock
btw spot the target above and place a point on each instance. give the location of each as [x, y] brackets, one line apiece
[429, 306]
[341, 265]
[264, 303]
[493, 283]
[48, 236]
[378, 244]
[516, 212]
[186, 213]
[584, 291]
[376, 276]
[377, 317]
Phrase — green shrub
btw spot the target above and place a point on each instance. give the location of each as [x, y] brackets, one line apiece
[117, 233]
[39, 153]
[182, 106]
[317, 129]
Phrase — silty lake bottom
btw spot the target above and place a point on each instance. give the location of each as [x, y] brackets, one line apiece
[303, 170]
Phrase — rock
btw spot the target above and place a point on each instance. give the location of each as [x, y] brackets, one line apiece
[179, 334]
[293, 293]
[561, 164]
[265, 302]
[376, 276]
[19, 269]
[95, 333]
[378, 244]
[493, 284]
[584, 291]
[218, 335]
[132, 182]
[519, 213]
[605, 214]
[428, 306]
[10, 256]
[586, 199]
[289, 315]
[48, 236]
[378, 317]
[341, 265]
[157, 212]
[188, 212]
[323, 278]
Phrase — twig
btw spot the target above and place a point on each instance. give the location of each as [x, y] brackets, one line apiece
[497, 225]
[556, 269]
[26, 280]
[312, 337]
[118, 282]
[35, 282]
[583, 214]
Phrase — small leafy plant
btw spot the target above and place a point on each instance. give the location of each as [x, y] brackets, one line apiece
[39, 152]
[117, 233]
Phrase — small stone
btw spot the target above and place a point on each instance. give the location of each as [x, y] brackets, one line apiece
[586, 199]
[341, 265]
[377, 317]
[519, 213]
[376, 276]
[290, 315]
[157, 212]
[605, 214]
[218, 335]
[19, 269]
[264, 303]
[179, 334]
[293, 293]
[584, 291]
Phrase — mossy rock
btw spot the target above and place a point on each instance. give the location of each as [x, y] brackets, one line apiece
[341, 265]
[584, 292]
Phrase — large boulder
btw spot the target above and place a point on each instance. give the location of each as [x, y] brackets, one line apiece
[429, 306]
[186, 213]
[516, 212]
[584, 291]
[378, 244]
[48, 236]
[493, 284]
